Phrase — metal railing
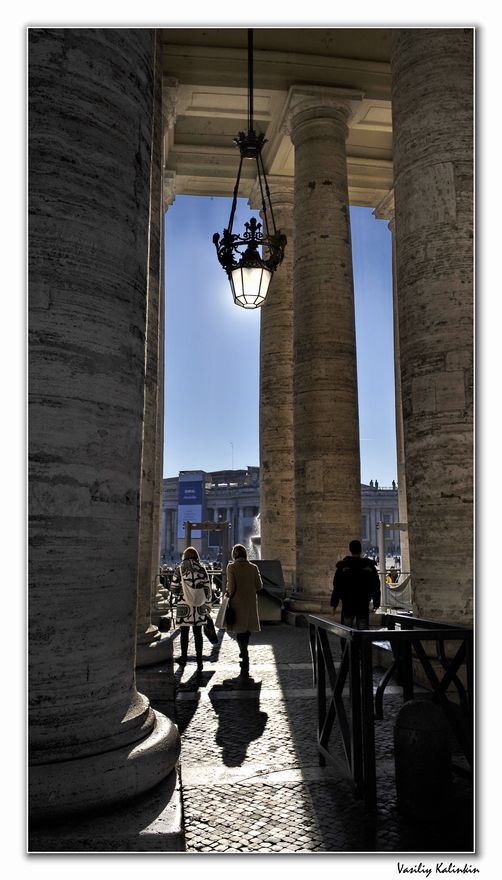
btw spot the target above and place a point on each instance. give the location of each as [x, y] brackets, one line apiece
[357, 728]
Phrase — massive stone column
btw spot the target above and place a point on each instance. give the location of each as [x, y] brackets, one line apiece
[277, 490]
[386, 211]
[93, 739]
[326, 424]
[152, 648]
[432, 106]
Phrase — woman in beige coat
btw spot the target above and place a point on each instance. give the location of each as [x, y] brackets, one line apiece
[243, 583]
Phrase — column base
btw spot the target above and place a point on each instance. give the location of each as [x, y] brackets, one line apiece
[158, 682]
[151, 634]
[152, 823]
[298, 607]
[308, 603]
[155, 651]
[98, 781]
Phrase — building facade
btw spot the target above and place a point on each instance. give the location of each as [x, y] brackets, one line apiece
[234, 496]
[231, 496]
[380, 504]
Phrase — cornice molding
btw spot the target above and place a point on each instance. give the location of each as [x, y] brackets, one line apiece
[169, 101]
[385, 210]
[168, 188]
[273, 69]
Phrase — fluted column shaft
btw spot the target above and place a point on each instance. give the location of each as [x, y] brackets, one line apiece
[93, 738]
[432, 105]
[149, 506]
[401, 469]
[386, 210]
[326, 425]
[159, 456]
[277, 499]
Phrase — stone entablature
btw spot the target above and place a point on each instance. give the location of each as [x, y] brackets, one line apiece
[207, 97]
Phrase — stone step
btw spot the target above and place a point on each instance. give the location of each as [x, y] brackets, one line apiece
[152, 823]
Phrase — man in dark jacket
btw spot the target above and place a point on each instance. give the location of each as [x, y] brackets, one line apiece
[355, 583]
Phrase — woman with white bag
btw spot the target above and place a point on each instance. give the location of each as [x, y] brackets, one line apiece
[191, 583]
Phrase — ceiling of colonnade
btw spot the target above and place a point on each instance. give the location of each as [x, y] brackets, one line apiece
[205, 83]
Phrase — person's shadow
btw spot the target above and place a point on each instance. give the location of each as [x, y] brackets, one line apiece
[240, 720]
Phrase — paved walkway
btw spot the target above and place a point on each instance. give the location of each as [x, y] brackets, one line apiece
[250, 775]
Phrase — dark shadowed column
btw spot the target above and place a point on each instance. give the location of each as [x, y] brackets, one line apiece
[326, 423]
[432, 107]
[152, 647]
[94, 739]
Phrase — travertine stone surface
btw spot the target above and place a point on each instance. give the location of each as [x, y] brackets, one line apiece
[159, 451]
[149, 504]
[277, 501]
[432, 101]
[326, 425]
[90, 129]
[386, 210]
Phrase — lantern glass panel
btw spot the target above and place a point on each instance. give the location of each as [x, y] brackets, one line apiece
[250, 286]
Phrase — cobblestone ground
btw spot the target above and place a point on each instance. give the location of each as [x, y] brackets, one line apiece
[251, 779]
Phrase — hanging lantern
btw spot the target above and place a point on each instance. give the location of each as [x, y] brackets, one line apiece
[251, 259]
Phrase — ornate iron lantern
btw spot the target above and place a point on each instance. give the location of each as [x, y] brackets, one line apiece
[249, 270]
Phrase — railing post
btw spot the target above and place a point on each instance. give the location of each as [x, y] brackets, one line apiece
[313, 651]
[356, 738]
[368, 723]
[469, 668]
[406, 670]
[321, 695]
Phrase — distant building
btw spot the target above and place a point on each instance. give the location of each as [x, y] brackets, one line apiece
[379, 504]
[198, 496]
[234, 495]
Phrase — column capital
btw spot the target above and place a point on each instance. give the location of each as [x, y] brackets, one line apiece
[281, 192]
[385, 210]
[169, 101]
[312, 103]
[168, 188]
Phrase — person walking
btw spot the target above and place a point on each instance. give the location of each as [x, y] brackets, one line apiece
[192, 586]
[355, 584]
[243, 583]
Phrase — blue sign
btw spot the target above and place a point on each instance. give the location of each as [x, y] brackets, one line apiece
[190, 502]
[190, 493]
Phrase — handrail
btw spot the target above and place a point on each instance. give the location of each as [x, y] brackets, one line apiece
[358, 732]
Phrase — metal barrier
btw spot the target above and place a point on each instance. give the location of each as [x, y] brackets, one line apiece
[406, 635]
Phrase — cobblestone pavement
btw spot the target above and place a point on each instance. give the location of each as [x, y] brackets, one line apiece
[250, 774]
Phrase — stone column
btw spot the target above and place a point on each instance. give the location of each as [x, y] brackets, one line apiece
[277, 496]
[385, 210]
[93, 739]
[159, 452]
[326, 423]
[432, 105]
[151, 647]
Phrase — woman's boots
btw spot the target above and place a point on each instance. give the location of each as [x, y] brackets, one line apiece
[197, 635]
[243, 642]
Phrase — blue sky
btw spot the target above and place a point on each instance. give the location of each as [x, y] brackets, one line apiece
[212, 346]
